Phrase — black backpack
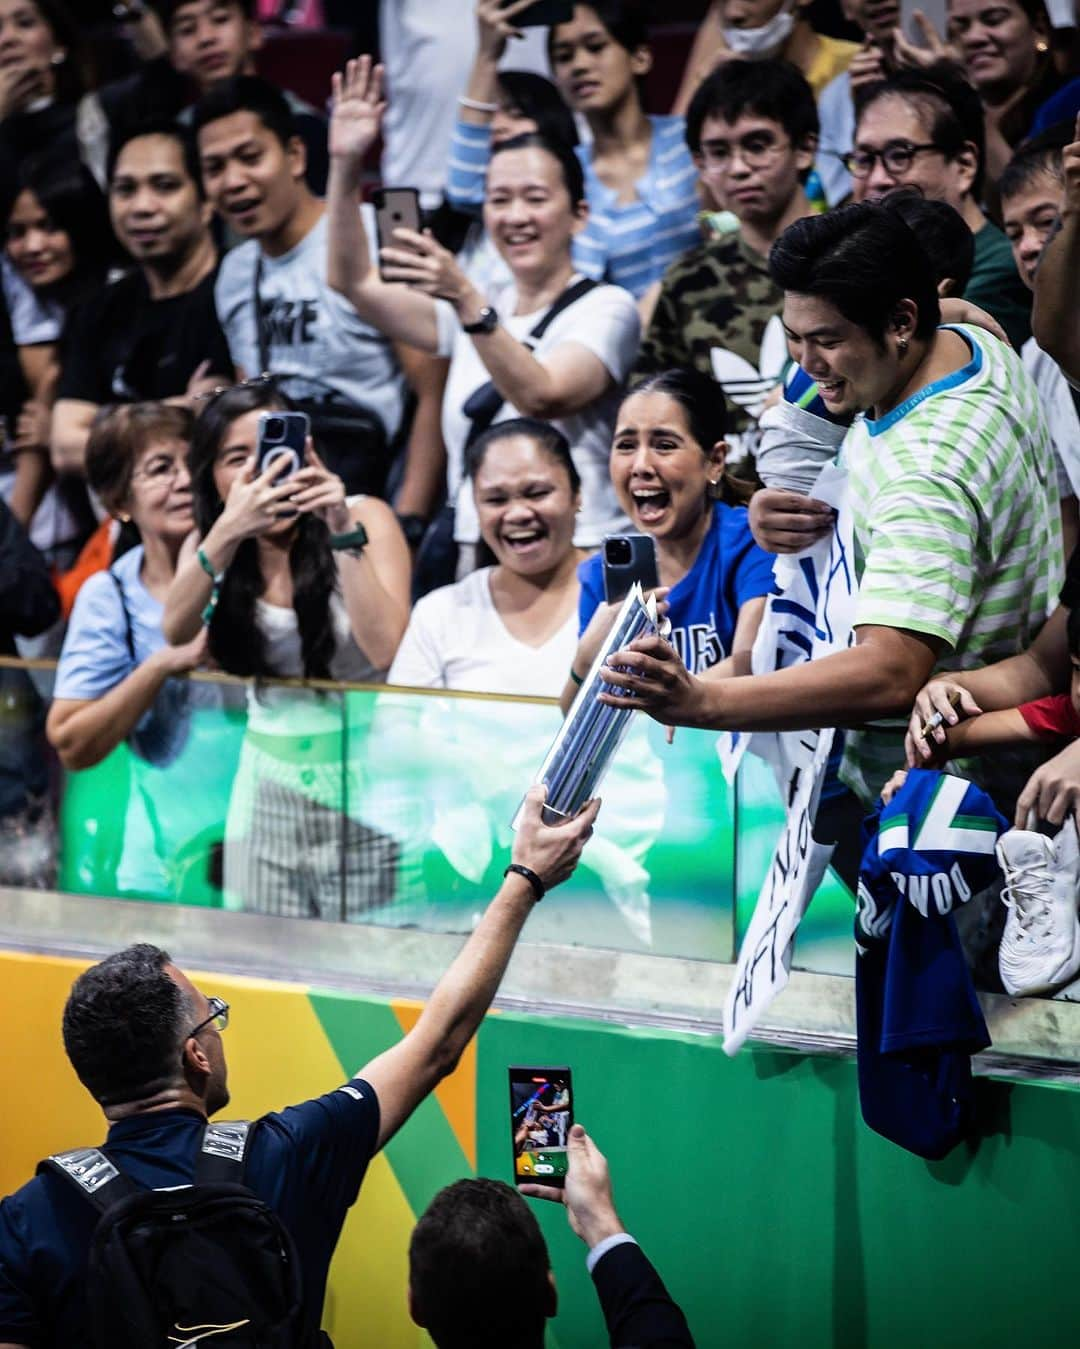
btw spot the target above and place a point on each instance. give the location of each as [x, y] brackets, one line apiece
[207, 1264]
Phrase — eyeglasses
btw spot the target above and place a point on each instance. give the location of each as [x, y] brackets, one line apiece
[218, 1018]
[161, 472]
[755, 150]
[896, 157]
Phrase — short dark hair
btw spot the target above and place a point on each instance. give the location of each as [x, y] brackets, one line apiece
[773, 89]
[119, 434]
[169, 7]
[947, 102]
[1041, 154]
[572, 172]
[478, 1268]
[172, 131]
[124, 1025]
[625, 20]
[549, 438]
[537, 97]
[246, 93]
[862, 258]
[944, 234]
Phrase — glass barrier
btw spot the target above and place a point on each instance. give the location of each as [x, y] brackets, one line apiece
[393, 807]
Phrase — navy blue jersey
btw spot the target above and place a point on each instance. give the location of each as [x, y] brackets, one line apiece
[306, 1162]
[704, 607]
[919, 1020]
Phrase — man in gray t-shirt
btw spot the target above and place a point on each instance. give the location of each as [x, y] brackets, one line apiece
[272, 298]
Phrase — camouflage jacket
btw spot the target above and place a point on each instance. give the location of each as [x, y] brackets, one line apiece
[719, 312]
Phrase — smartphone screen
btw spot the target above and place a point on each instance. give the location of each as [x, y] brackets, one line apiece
[541, 1113]
[544, 13]
[628, 558]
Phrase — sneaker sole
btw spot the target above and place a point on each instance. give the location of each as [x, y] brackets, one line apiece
[1072, 969]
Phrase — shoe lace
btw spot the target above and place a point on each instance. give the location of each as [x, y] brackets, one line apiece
[1025, 892]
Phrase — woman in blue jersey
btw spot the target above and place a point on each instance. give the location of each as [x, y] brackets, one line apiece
[667, 466]
[640, 182]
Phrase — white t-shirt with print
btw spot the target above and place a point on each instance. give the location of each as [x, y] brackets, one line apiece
[1059, 408]
[315, 338]
[457, 640]
[605, 322]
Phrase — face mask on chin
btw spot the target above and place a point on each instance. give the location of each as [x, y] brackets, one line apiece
[764, 41]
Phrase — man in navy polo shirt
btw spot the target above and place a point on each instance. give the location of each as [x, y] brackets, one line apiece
[146, 1043]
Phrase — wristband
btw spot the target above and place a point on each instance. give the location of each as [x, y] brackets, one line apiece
[576, 677]
[215, 594]
[534, 880]
[352, 543]
[474, 104]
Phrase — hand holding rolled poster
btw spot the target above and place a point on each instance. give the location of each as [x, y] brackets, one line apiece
[592, 732]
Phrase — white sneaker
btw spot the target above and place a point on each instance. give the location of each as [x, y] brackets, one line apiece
[1040, 947]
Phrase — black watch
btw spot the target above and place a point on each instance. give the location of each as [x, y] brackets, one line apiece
[486, 323]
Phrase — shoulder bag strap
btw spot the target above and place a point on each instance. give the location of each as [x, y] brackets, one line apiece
[260, 331]
[129, 632]
[90, 1172]
[569, 296]
[223, 1154]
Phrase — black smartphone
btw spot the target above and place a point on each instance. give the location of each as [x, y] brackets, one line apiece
[282, 434]
[396, 208]
[541, 1113]
[628, 558]
[544, 13]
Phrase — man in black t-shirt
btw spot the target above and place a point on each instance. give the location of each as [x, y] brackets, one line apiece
[154, 333]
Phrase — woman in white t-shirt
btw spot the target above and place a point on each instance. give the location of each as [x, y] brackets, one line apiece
[292, 579]
[510, 627]
[533, 209]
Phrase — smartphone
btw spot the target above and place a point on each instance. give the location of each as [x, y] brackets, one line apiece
[628, 558]
[396, 208]
[282, 434]
[541, 1113]
[545, 13]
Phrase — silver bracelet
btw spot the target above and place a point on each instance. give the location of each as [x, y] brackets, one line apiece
[475, 105]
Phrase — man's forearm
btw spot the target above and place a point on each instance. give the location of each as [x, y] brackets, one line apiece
[1038, 672]
[1055, 318]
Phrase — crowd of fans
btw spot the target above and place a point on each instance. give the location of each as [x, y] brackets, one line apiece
[612, 317]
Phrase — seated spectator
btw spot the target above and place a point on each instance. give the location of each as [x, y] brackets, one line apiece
[510, 627]
[208, 41]
[273, 299]
[639, 178]
[480, 1276]
[59, 246]
[763, 30]
[42, 77]
[1032, 192]
[667, 464]
[1057, 282]
[152, 334]
[500, 366]
[1005, 51]
[923, 128]
[111, 682]
[752, 128]
[874, 61]
[948, 484]
[291, 578]
[28, 605]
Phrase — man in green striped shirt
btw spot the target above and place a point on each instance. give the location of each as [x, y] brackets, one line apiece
[953, 491]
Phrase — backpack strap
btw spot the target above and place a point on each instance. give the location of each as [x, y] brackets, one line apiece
[223, 1155]
[93, 1175]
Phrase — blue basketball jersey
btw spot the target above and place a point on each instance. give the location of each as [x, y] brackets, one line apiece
[919, 1021]
[704, 607]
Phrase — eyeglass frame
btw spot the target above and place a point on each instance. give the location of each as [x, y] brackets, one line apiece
[220, 1010]
[161, 480]
[756, 163]
[906, 148]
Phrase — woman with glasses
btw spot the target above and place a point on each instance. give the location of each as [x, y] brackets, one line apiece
[112, 682]
[924, 129]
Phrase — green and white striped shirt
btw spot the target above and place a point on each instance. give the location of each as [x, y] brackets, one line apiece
[957, 525]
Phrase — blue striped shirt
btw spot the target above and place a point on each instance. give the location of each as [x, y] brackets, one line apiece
[629, 244]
